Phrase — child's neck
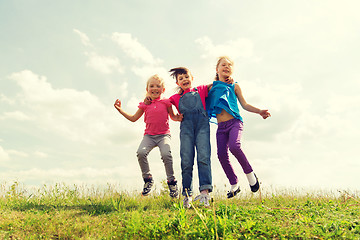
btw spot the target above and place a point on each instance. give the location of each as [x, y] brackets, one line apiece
[155, 98]
[223, 78]
[182, 90]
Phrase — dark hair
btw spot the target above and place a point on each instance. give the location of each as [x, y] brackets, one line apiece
[177, 71]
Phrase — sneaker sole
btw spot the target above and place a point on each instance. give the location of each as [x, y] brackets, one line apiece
[233, 194]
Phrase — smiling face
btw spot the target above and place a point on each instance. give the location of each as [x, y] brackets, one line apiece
[154, 88]
[224, 69]
[184, 81]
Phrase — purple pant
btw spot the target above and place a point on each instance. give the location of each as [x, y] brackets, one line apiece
[228, 137]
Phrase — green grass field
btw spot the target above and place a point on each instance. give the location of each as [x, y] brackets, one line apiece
[79, 212]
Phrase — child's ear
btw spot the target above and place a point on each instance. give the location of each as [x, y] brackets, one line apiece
[163, 90]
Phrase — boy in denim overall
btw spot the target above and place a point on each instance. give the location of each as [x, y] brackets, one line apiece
[194, 133]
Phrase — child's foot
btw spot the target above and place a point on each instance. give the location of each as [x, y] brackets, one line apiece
[204, 199]
[256, 186]
[149, 182]
[173, 188]
[233, 192]
[187, 202]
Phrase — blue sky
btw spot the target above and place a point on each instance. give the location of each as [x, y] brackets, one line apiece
[63, 64]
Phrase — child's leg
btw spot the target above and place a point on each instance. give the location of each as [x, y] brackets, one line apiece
[235, 146]
[203, 150]
[165, 151]
[187, 154]
[222, 140]
[146, 145]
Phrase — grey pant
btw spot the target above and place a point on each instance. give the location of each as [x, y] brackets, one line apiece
[147, 144]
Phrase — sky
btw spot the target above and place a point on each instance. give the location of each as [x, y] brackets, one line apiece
[64, 63]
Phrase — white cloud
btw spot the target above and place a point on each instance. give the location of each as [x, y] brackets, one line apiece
[119, 90]
[83, 37]
[339, 104]
[40, 154]
[15, 115]
[240, 47]
[7, 100]
[103, 64]
[17, 153]
[4, 156]
[75, 115]
[133, 48]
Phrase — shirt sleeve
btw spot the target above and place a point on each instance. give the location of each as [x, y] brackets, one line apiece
[203, 89]
[142, 106]
[167, 102]
[174, 99]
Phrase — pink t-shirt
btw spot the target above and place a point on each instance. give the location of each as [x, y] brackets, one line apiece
[156, 116]
[202, 90]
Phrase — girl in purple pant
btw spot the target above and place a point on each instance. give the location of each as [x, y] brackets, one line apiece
[222, 105]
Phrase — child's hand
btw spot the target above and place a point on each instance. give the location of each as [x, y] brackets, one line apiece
[179, 117]
[265, 114]
[229, 80]
[147, 100]
[117, 104]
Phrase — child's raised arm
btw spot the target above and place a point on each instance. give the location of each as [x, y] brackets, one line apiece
[264, 113]
[177, 117]
[132, 118]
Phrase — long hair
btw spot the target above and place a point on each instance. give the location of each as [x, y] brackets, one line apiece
[156, 77]
[218, 62]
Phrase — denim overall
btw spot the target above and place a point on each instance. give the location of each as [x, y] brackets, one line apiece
[194, 132]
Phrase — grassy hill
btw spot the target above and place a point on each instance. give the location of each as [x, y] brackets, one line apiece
[80, 212]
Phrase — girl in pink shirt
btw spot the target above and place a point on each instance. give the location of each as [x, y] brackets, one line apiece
[157, 132]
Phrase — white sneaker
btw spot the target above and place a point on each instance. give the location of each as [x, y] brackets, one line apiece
[187, 202]
[204, 199]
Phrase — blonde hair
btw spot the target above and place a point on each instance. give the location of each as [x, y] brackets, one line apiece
[156, 77]
[218, 63]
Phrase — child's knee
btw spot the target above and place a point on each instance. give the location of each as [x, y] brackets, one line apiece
[142, 153]
[222, 154]
[166, 157]
[234, 147]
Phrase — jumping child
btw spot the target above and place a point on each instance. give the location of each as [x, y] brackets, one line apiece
[157, 132]
[194, 132]
[222, 105]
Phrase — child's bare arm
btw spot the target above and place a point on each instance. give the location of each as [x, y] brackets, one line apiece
[177, 117]
[132, 118]
[264, 113]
